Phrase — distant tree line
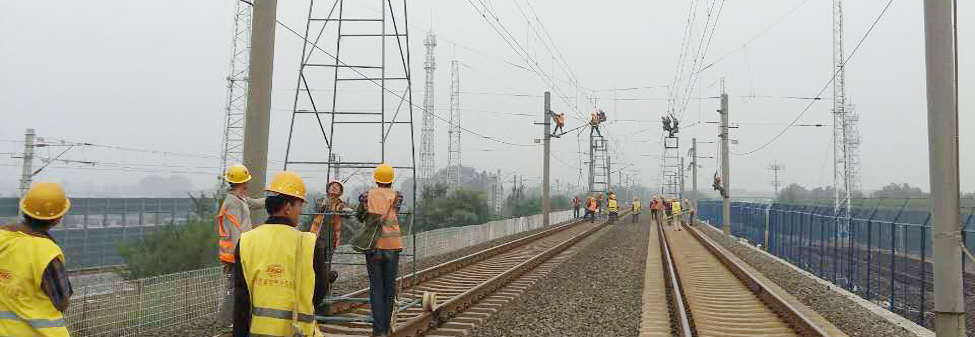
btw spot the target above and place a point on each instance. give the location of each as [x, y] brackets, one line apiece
[889, 191]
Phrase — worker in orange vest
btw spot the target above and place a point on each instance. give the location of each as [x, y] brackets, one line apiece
[381, 241]
[33, 280]
[559, 124]
[591, 207]
[233, 219]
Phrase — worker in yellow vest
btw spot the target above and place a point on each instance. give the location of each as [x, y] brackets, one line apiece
[613, 207]
[636, 210]
[34, 286]
[676, 212]
[381, 241]
[279, 275]
[233, 219]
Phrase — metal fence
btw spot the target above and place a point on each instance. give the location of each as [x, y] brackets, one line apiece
[89, 231]
[881, 252]
[134, 307]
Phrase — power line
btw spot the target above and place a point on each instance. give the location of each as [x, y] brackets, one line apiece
[314, 45]
[831, 79]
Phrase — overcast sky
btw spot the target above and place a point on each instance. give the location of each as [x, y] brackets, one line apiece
[151, 76]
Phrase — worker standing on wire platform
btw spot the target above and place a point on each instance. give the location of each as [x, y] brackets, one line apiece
[381, 241]
[280, 272]
[233, 219]
[32, 276]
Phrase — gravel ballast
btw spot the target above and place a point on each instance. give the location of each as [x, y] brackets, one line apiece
[596, 292]
[843, 312]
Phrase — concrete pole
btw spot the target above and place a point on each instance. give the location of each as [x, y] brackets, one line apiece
[694, 197]
[949, 301]
[680, 181]
[28, 168]
[725, 166]
[547, 138]
[258, 114]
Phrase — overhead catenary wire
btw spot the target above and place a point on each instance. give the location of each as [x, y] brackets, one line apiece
[400, 96]
[826, 86]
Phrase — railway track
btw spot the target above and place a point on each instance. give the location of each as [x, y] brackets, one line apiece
[709, 293]
[468, 289]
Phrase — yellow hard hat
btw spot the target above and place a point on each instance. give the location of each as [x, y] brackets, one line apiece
[383, 174]
[287, 183]
[45, 201]
[237, 174]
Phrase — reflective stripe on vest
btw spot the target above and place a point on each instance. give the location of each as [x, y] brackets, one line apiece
[25, 309]
[382, 202]
[226, 245]
[267, 258]
[34, 323]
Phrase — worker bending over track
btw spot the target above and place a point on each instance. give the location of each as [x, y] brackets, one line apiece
[33, 280]
[591, 207]
[381, 241]
[280, 272]
[233, 219]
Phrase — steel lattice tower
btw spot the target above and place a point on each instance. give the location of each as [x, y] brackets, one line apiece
[846, 139]
[354, 93]
[453, 149]
[427, 162]
[671, 171]
[233, 132]
[599, 174]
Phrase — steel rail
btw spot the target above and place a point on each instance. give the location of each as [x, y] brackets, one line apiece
[684, 328]
[789, 313]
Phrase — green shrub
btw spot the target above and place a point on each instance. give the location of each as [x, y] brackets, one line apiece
[178, 247]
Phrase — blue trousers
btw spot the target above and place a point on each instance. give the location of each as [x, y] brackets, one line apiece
[382, 266]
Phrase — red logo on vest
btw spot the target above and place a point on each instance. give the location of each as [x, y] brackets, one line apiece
[5, 275]
[274, 270]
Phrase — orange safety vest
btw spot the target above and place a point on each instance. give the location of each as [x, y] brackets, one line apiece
[383, 202]
[226, 252]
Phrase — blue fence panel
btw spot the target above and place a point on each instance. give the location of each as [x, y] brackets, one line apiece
[881, 252]
[90, 231]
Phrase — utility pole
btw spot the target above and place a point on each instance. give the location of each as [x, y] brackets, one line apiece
[695, 197]
[725, 164]
[942, 88]
[546, 138]
[28, 169]
[259, 94]
[680, 196]
[775, 168]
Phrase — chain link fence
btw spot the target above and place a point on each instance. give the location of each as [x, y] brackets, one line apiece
[882, 251]
[136, 307]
